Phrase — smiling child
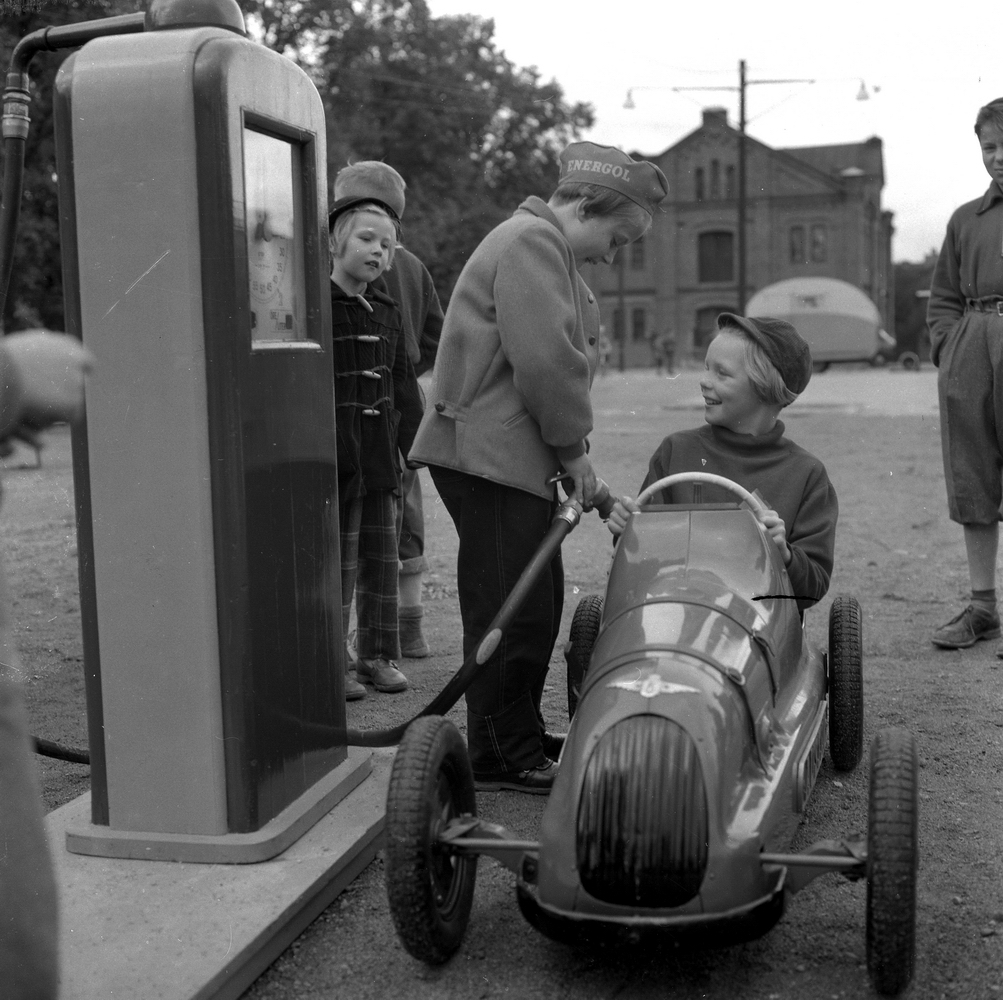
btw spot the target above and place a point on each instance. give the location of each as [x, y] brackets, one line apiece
[753, 369]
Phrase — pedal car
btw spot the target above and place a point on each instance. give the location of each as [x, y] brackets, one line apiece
[700, 715]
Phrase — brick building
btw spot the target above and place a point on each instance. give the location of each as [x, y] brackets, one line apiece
[810, 211]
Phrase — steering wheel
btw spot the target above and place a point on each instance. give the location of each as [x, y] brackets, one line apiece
[753, 501]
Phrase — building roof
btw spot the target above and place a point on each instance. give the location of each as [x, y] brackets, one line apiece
[836, 160]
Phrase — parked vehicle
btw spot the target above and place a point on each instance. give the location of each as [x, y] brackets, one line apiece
[700, 716]
[837, 319]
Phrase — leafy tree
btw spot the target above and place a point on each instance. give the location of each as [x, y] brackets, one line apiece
[35, 294]
[471, 133]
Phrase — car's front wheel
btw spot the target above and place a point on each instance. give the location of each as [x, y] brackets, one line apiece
[430, 888]
[892, 860]
[578, 653]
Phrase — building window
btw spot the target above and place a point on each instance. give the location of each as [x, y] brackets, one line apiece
[637, 254]
[638, 324]
[716, 256]
[819, 244]
[705, 326]
[715, 179]
[729, 181]
[798, 245]
[698, 181]
[617, 325]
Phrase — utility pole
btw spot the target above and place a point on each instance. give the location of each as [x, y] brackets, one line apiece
[622, 310]
[741, 187]
[743, 198]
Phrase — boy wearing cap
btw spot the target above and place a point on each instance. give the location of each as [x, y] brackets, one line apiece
[754, 368]
[509, 408]
[410, 285]
[965, 315]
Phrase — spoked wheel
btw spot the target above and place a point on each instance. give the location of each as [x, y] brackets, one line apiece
[584, 630]
[846, 684]
[430, 888]
[892, 861]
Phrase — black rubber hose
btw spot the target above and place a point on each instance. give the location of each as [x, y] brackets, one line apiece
[17, 120]
[49, 749]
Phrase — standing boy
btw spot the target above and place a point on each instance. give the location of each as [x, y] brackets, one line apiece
[509, 409]
[965, 315]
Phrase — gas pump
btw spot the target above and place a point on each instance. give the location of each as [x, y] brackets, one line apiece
[192, 177]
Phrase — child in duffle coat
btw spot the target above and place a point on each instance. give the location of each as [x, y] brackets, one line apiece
[410, 285]
[965, 315]
[754, 368]
[377, 411]
[508, 410]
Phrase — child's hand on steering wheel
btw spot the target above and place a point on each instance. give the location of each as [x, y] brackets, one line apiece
[622, 510]
[777, 530]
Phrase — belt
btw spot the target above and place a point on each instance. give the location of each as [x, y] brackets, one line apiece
[989, 304]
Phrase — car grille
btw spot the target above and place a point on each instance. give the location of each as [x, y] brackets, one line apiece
[642, 817]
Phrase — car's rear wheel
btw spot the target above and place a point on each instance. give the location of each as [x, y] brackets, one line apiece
[584, 631]
[430, 888]
[910, 361]
[846, 684]
[892, 860]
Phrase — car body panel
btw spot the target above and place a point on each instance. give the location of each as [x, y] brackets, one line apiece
[699, 628]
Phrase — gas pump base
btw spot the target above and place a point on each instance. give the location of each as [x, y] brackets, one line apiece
[203, 931]
[271, 839]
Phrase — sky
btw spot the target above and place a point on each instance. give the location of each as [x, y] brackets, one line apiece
[925, 78]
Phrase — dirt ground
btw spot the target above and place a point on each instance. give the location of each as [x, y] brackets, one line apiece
[897, 552]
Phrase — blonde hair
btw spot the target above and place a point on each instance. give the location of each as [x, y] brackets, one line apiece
[347, 222]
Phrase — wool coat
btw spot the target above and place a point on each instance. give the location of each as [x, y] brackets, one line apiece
[519, 349]
[377, 401]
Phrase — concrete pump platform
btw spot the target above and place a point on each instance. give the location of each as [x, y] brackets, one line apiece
[163, 930]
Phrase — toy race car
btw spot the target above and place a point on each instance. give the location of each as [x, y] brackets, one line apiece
[700, 718]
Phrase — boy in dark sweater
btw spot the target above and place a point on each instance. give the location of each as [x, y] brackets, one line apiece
[754, 368]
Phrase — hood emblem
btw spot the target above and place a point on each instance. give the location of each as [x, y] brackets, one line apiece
[651, 686]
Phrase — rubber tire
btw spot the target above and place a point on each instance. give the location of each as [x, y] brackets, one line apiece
[430, 889]
[910, 361]
[892, 860]
[879, 360]
[584, 631]
[846, 684]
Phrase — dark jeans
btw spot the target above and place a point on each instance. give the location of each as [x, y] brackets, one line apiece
[500, 528]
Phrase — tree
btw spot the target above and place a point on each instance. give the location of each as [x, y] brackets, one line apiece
[472, 134]
[35, 294]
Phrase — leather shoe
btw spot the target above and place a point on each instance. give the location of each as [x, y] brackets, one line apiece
[553, 744]
[967, 628]
[535, 781]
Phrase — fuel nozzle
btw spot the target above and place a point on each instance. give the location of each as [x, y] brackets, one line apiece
[602, 500]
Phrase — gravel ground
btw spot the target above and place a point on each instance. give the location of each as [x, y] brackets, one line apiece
[877, 432]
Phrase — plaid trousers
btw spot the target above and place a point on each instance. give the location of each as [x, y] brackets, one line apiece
[369, 565]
